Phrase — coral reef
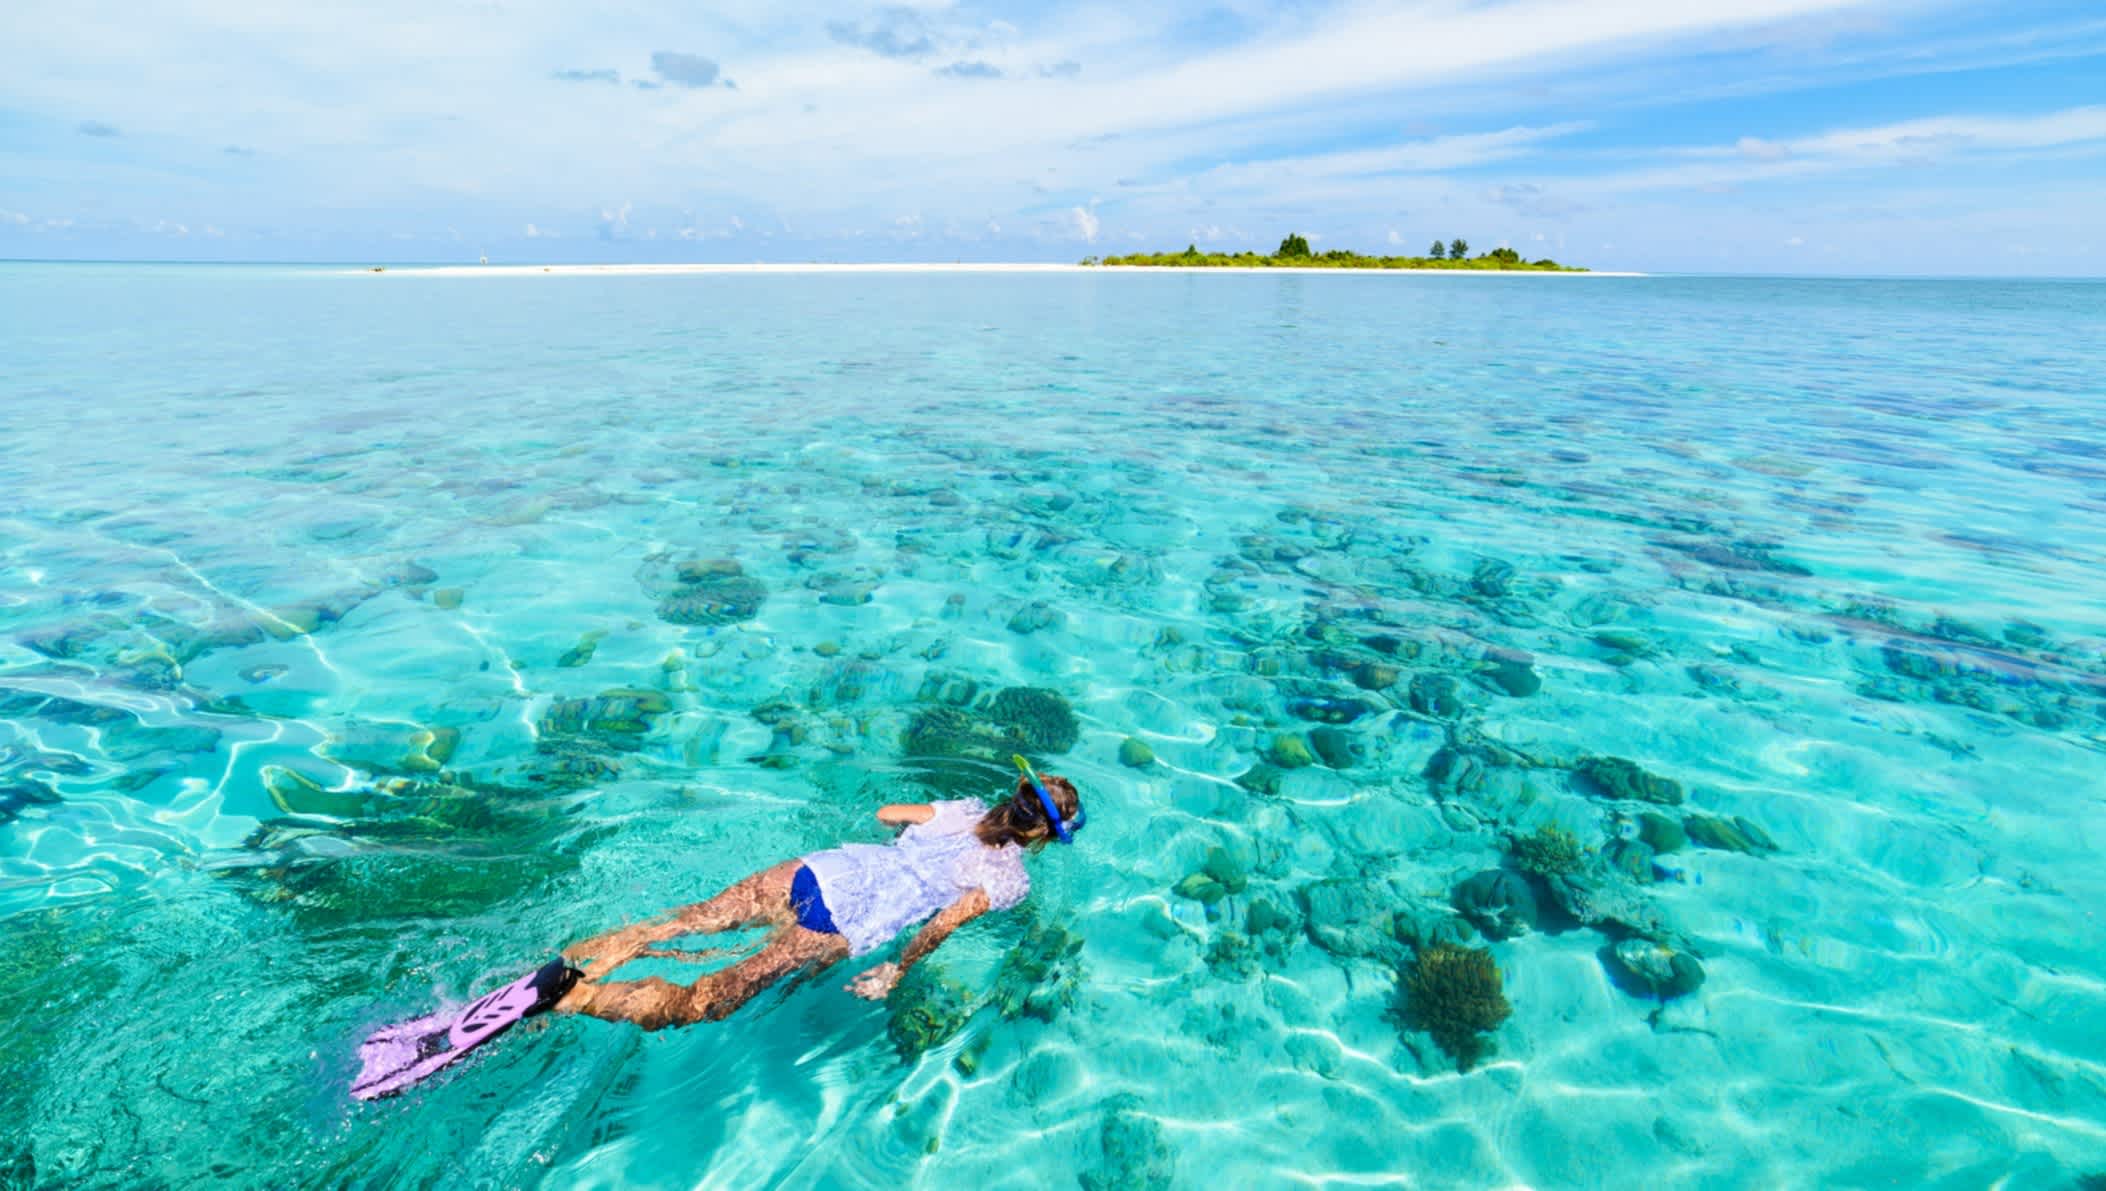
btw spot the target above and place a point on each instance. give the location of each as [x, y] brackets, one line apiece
[1511, 673]
[1135, 753]
[964, 750]
[1435, 695]
[1132, 1153]
[1619, 778]
[705, 591]
[616, 719]
[1289, 751]
[581, 653]
[1644, 967]
[1335, 747]
[1042, 974]
[1454, 994]
[1547, 851]
[1727, 835]
[927, 1010]
[1348, 916]
[945, 731]
[1601, 895]
[1662, 833]
[1040, 719]
[19, 793]
[1498, 902]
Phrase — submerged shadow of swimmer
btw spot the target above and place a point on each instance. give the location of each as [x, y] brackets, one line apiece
[953, 861]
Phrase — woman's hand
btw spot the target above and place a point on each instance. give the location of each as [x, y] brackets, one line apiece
[877, 983]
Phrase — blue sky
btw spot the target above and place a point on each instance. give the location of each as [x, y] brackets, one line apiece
[1794, 136]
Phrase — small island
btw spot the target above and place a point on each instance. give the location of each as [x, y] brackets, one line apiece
[1294, 253]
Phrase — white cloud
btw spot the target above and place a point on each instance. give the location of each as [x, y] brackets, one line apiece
[14, 217]
[1430, 155]
[1909, 142]
[534, 232]
[1084, 221]
[1796, 242]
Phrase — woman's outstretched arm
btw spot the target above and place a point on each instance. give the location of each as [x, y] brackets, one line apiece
[876, 982]
[905, 814]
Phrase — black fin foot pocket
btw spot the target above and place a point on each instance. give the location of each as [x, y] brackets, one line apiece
[550, 982]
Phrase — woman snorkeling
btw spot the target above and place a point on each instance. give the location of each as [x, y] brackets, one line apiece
[953, 861]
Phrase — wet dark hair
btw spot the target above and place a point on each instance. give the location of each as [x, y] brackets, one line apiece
[1021, 820]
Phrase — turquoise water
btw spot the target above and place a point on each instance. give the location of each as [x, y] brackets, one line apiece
[363, 639]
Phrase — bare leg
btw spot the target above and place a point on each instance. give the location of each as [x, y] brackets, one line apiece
[763, 898]
[655, 1004]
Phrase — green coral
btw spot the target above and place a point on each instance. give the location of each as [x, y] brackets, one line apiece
[927, 1011]
[1017, 719]
[1039, 718]
[1435, 695]
[616, 719]
[1135, 1157]
[945, 732]
[1453, 993]
[712, 592]
[1134, 753]
[1042, 974]
[1548, 851]
[1728, 835]
[1617, 777]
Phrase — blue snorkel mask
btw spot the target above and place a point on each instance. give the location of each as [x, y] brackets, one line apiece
[1065, 831]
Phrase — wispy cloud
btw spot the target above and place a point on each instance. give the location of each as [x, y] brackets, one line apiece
[97, 128]
[1919, 142]
[685, 70]
[1085, 223]
[607, 75]
[971, 70]
[1424, 155]
[898, 32]
[1529, 198]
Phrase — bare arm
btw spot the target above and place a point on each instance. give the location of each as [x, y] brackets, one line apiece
[937, 929]
[875, 983]
[905, 814]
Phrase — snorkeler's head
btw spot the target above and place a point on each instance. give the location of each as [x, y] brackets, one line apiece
[1022, 819]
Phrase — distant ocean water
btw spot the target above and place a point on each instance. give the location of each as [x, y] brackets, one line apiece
[365, 639]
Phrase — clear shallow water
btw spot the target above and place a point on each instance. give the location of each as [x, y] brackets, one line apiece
[298, 571]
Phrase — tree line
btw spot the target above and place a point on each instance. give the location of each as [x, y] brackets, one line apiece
[1294, 251]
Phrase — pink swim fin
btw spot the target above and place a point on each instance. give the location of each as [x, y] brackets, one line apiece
[394, 1057]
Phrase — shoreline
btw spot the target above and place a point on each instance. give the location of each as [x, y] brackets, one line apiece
[903, 267]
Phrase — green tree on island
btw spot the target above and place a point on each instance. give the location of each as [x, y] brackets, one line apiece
[1294, 253]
